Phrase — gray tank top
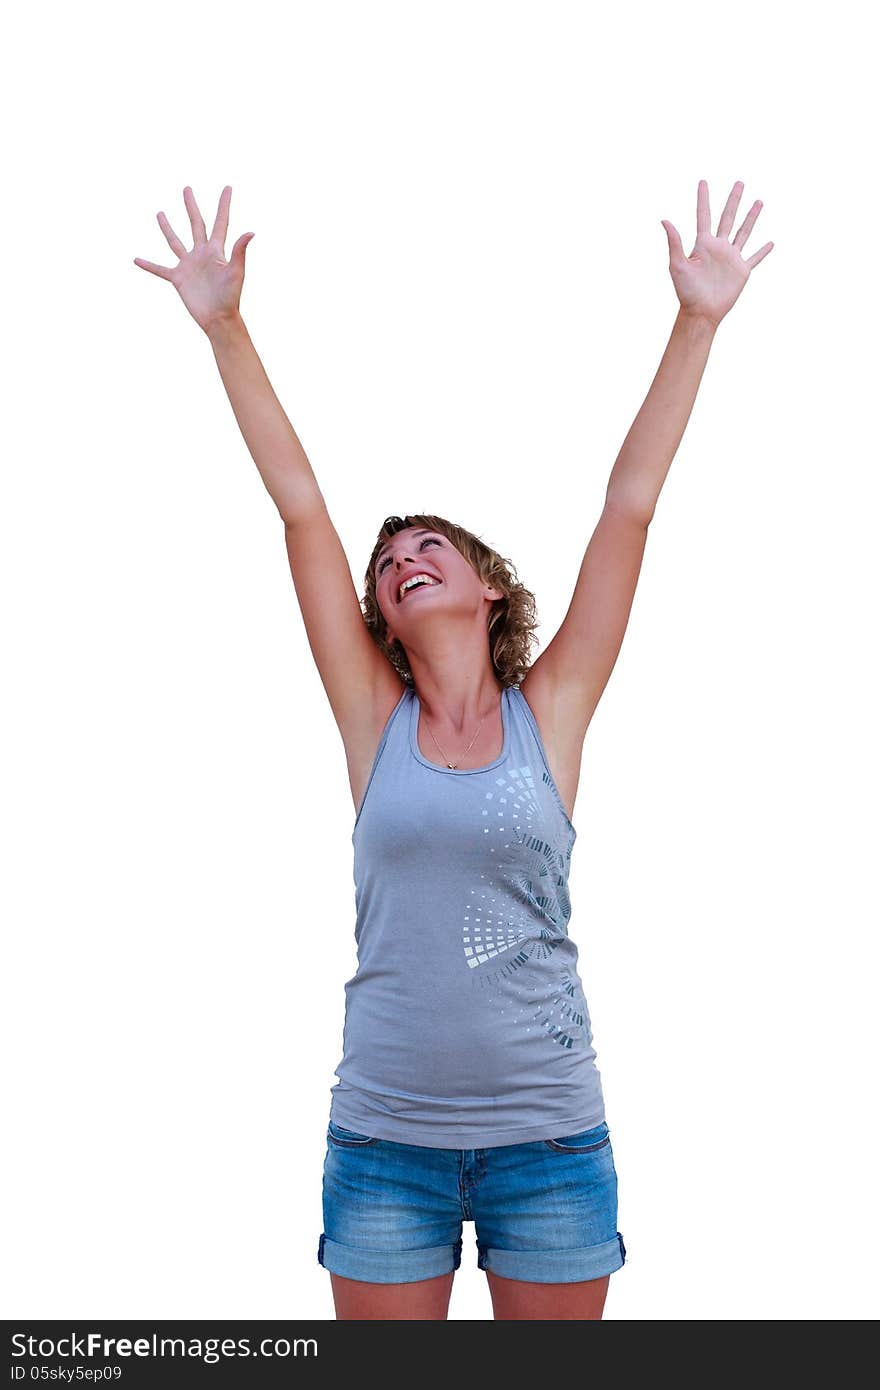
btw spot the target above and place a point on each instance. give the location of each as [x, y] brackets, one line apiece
[466, 1024]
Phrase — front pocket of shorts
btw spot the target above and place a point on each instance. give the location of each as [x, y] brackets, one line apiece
[586, 1142]
[347, 1138]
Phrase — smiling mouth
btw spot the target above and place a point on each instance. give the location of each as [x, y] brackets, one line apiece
[431, 584]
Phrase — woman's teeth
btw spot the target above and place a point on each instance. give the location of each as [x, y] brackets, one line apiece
[416, 581]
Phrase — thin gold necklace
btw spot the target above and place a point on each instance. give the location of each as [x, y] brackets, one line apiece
[466, 751]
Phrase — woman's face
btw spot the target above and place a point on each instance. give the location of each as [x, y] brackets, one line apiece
[456, 589]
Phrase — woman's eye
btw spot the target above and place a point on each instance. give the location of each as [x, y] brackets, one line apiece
[429, 540]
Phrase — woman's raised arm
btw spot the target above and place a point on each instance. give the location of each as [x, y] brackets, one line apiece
[357, 677]
[210, 287]
[569, 676]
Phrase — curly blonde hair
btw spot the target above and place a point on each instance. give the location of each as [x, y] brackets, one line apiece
[512, 618]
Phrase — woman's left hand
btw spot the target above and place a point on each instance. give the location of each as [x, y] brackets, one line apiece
[709, 281]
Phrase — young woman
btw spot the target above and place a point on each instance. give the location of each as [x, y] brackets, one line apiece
[468, 1088]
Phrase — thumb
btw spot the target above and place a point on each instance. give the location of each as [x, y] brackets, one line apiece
[240, 246]
[676, 250]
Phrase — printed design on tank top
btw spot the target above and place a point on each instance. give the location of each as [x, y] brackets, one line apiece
[559, 1008]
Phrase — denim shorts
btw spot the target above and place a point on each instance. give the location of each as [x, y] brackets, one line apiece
[545, 1212]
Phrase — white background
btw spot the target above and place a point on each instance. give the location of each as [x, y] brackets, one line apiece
[459, 288]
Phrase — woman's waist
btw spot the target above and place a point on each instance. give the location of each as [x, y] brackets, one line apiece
[487, 1014]
[454, 955]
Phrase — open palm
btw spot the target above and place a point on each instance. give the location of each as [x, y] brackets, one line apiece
[709, 281]
[209, 285]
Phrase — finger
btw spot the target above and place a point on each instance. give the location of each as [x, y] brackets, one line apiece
[704, 227]
[751, 218]
[676, 250]
[759, 255]
[195, 217]
[171, 236]
[221, 221]
[730, 208]
[241, 246]
[154, 269]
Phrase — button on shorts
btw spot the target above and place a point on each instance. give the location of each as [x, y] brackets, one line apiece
[545, 1212]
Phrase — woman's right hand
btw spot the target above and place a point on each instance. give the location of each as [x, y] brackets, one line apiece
[208, 284]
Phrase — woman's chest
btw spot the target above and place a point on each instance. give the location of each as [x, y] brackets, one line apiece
[506, 820]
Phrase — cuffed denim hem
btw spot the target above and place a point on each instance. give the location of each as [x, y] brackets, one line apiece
[555, 1266]
[388, 1266]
